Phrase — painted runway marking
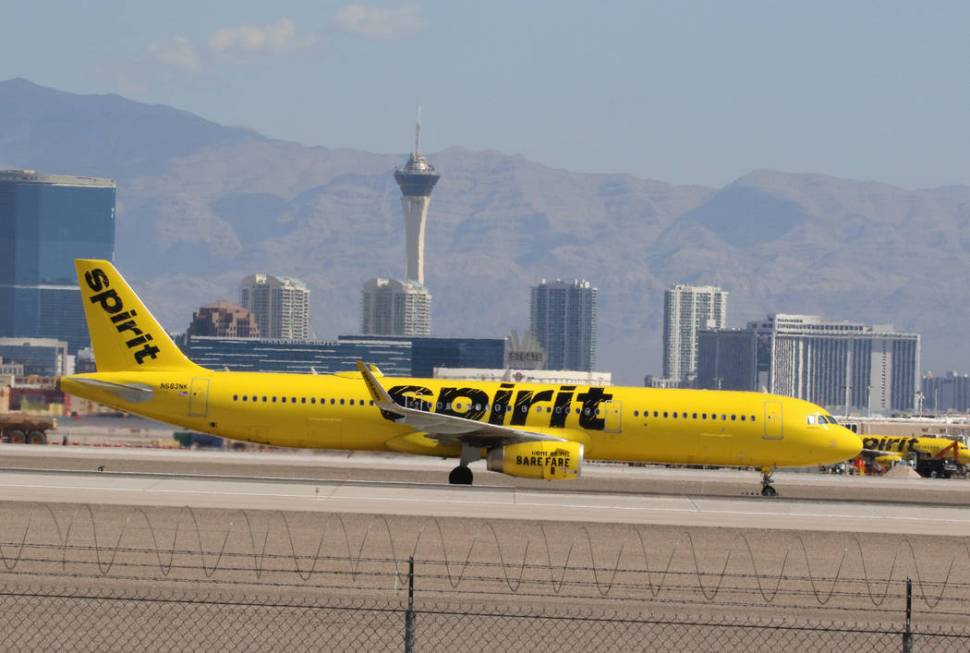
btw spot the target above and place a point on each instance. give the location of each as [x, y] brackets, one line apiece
[487, 502]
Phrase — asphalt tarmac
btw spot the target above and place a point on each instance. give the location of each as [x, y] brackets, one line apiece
[409, 486]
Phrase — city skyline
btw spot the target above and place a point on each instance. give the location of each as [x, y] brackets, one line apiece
[523, 229]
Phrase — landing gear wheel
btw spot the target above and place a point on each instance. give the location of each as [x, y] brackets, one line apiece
[460, 475]
[767, 489]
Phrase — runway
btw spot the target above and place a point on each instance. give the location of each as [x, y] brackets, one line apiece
[329, 466]
[443, 501]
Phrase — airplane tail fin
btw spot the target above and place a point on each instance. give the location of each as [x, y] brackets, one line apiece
[124, 334]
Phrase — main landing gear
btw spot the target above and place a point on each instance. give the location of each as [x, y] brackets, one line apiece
[767, 489]
[462, 475]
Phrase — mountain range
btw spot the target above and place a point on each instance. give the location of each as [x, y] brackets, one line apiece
[200, 205]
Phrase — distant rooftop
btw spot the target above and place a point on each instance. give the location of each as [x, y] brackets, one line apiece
[27, 176]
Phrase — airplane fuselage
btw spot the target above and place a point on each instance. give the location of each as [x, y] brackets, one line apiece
[612, 422]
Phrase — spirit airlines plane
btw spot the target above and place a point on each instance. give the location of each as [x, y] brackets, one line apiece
[522, 429]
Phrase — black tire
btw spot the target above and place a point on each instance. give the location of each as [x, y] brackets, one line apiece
[36, 437]
[461, 476]
[16, 436]
[769, 491]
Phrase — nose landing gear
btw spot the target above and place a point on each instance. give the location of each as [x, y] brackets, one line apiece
[767, 489]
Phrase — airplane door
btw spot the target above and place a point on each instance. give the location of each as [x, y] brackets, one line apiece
[773, 416]
[199, 397]
[611, 412]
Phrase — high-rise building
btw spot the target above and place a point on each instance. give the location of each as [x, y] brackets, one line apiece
[844, 366]
[687, 309]
[46, 221]
[563, 320]
[281, 305]
[947, 393]
[417, 179]
[727, 359]
[391, 307]
[225, 320]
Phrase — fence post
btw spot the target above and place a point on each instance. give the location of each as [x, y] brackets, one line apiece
[409, 634]
[908, 632]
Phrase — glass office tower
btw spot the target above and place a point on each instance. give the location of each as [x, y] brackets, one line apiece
[46, 221]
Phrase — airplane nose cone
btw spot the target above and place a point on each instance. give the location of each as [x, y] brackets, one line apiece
[846, 444]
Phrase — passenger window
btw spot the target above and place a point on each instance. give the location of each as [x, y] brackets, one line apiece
[351, 402]
[742, 418]
[274, 399]
[371, 402]
[313, 400]
[695, 415]
[734, 418]
[752, 418]
[264, 399]
[656, 413]
[283, 400]
[703, 415]
[302, 400]
[341, 402]
[245, 397]
[636, 414]
[333, 401]
[235, 397]
[665, 413]
[723, 418]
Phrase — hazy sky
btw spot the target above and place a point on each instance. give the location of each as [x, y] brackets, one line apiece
[689, 92]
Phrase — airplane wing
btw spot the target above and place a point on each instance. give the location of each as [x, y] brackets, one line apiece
[448, 428]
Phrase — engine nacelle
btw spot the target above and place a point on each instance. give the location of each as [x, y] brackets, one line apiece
[543, 459]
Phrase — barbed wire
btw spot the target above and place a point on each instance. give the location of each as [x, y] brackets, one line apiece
[581, 558]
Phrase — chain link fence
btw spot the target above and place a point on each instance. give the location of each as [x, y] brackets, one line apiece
[45, 617]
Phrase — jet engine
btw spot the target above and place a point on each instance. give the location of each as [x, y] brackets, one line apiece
[542, 459]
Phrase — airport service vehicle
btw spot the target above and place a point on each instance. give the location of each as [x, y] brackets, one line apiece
[22, 428]
[521, 429]
[935, 457]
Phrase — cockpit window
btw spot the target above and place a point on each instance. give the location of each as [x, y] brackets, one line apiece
[830, 419]
[811, 419]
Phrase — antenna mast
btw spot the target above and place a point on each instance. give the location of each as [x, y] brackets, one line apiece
[417, 134]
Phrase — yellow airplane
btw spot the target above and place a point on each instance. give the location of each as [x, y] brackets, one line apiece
[931, 452]
[522, 429]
